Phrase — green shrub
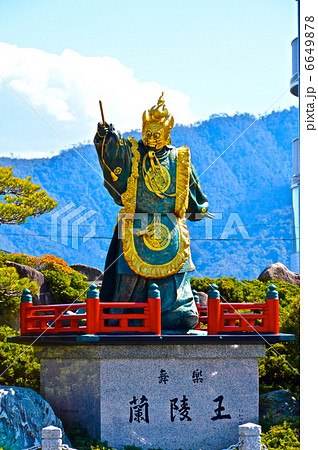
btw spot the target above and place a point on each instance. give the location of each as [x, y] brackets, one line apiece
[11, 288]
[279, 369]
[282, 437]
[233, 290]
[66, 284]
[66, 288]
[99, 448]
[81, 440]
[18, 363]
[292, 421]
[19, 258]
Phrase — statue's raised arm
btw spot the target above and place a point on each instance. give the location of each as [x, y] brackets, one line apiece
[114, 154]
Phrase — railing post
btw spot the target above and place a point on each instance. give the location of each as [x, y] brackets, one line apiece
[51, 438]
[272, 302]
[92, 310]
[26, 300]
[214, 310]
[155, 308]
[250, 436]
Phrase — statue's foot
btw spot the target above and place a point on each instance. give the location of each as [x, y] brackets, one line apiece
[187, 322]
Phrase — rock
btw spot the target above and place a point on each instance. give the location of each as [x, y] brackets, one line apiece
[280, 272]
[23, 414]
[45, 297]
[203, 302]
[27, 272]
[203, 298]
[278, 405]
[93, 274]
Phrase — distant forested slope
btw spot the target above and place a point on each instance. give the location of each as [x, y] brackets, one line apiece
[245, 167]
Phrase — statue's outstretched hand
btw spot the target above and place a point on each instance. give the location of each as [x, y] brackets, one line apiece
[105, 129]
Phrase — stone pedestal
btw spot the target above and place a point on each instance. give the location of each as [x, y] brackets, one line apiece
[250, 436]
[155, 394]
[51, 438]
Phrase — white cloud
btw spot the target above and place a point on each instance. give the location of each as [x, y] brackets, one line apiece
[65, 90]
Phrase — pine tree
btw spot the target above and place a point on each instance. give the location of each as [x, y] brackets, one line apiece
[21, 198]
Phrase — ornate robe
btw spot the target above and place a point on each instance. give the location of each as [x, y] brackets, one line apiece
[151, 242]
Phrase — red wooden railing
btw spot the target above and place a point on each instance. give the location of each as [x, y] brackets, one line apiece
[233, 317]
[95, 317]
[64, 318]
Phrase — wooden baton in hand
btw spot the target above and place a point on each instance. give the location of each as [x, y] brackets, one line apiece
[102, 113]
[114, 177]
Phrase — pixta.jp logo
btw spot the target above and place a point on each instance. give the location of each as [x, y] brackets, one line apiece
[68, 220]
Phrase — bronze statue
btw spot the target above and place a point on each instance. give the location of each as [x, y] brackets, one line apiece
[158, 188]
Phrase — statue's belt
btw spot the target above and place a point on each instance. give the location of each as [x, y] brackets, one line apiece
[158, 250]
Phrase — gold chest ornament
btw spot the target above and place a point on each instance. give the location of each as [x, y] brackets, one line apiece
[157, 177]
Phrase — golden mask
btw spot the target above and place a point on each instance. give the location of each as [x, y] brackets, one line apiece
[156, 125]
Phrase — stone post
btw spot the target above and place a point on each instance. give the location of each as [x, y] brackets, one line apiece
[51, 438]
[250, 436]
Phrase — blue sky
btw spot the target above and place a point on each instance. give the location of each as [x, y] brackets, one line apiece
[209, 56]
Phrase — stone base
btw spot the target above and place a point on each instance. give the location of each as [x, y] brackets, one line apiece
[171, 396]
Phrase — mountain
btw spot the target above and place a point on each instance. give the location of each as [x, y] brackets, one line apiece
[245, 168]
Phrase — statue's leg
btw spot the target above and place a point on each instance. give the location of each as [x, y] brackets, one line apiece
[126, 287]
[178, 309]
[129, 288]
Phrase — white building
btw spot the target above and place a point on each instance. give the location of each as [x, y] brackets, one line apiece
[295, 183]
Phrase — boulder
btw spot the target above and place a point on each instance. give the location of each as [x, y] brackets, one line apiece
[203, 302]
[203, 298]
[278, 405]
[92, 273]
[44, 297]
[23, 414]
[280, 272]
